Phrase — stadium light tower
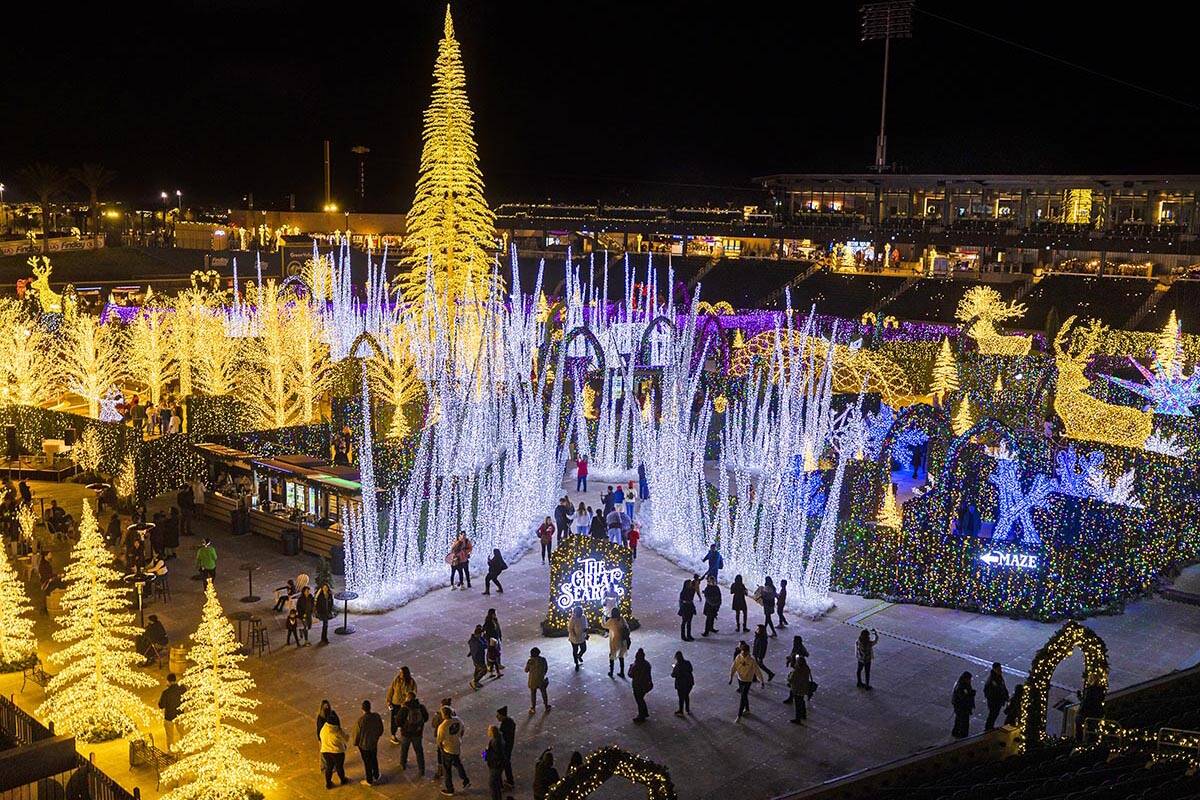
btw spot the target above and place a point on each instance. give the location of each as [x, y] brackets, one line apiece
[886, 21]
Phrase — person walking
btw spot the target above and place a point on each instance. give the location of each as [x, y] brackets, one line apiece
[449, 741]
[305, 606]
[206, 560]
[760, 650]
[685, 680]
[767, 598]
[583, 519]
[169, 702]
[333, 749]
[443, 713]
[607, 500]
[367, 732]
[508, 732]
[643, 484]
[544, 775]
[781, 602]
[630, 499]
[612, 522]
[962, 700]
[496, 564]
[715, 562]
[1013, 708]
[402, 687]
[995, 692]
[687, 610]
[864, 651]
[619, 498]
[562, 518]
[641, 682]
[635, 535]
[477, 648]
[746, 670]
[293, 627]
[323, 607]
[799, 684]
[577, 635]
[412, 719]
[537, 669]
[737, 595]
[618, 640]
[581, 474]
[712, 605]
[545, 534]
[460, 561]
[493, 757]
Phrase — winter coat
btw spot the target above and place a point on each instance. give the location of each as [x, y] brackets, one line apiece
[687, 606]
[544, 776]
[712, 600]
[399, 688]
[545, 532]
[682, 673]
[494, 756]
[537, 668]
[799, 678]
[759, 648]
[323, 605]
[767, 598]
[639, 676]
[476, 648]
[333, 738]
[738, 594]
[745, 669]
[413, 717]
[577, 630]
[496, 565]
[562, 516]
[618, 637]
[963, 699]
[994, 691]
[368, 730]
[450, 736]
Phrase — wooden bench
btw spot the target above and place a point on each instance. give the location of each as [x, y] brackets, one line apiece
[142, 751]
[37, 673]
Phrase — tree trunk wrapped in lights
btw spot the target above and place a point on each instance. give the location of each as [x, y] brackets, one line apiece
[125, 481]
[215, 714]
[90, 697]
[28, 369]
[268, 366]
[92, 358]
[150, 358]
[450, 228]
[215, 356]
[88, 452]
[310, 358]
[18, 645]
[188, 310]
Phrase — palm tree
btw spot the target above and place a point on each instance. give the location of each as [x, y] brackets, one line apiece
[47, 182]
[94, 177]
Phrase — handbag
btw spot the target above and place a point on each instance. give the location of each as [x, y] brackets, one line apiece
[812, 689]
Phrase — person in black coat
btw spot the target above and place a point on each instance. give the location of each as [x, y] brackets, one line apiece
[737, 594]
[544, 775]
[508, 731]
[561, 519]
[598, 529]
[760, 650]
[996, 695]
[963, 702]
[496, 565]
[687, 610]
[639, 677]
[767, 597]
[323, 608]
[712, 605]
[493, 756]
[681, 671]
[1013, 709]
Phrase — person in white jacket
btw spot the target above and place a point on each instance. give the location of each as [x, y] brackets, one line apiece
[449, 741]
[747, 671]
[577, 635]
[618, 641]
[333, 749]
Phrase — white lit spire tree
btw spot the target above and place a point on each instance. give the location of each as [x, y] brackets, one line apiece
[149, 356]
[91, 697]
[450, 228]
[215, 714]
[18, 645]
[92, 359]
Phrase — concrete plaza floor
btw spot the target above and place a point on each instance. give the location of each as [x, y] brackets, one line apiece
[920, 654]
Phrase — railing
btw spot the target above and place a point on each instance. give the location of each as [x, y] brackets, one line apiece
[101, 785]
[20, 726]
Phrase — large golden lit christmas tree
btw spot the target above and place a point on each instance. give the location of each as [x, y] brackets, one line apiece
[450, 228]
[215, 715]
[90, 697]
[18, 646]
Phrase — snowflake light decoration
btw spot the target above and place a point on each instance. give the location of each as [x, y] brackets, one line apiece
[1166, 389]
[1016, 503]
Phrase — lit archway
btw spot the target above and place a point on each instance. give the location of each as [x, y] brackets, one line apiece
[606, 762]
[1031, 718]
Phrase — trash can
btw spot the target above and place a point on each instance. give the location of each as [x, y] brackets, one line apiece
[177, 659]
[337, 560]
[291, 543]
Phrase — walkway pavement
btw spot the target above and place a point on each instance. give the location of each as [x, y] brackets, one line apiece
[921, 653]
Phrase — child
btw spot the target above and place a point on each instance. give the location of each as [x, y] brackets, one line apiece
[293, 628]
[634, 535]
[493, 658]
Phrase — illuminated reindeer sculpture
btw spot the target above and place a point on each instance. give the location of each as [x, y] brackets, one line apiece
[1083, 416]
[980, 308]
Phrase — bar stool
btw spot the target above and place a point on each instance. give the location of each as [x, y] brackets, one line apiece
[259, 637]
[162, 591]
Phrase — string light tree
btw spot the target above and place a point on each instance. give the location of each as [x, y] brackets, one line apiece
[29, 371]
[450, 228]
[963, 419]
[90, 697]
[310, 358]
[149, 356]
[215, 713]
[266, 382]
[88, 452]
[394, 379]
[945, 372]
[889, 510]
[18, 645]
[92, 358]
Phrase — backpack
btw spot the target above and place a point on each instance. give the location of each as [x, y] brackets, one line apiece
[414, 720]
[625, 633]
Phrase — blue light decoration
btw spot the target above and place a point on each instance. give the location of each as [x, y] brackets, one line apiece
[1166, 389]
[1017, 504]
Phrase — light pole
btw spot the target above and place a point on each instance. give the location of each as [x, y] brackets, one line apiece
[3, 214]
[886, 21]
[163, 237]
[179, 201]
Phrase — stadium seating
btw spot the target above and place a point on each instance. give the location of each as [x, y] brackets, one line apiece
[1184, 299]
[1111, 300]
[843, 295]
[935, 299]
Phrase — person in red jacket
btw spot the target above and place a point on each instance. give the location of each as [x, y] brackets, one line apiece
[634, 535]
[581, 473]
[546, 535]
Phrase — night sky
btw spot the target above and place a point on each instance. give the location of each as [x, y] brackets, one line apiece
[618, 101]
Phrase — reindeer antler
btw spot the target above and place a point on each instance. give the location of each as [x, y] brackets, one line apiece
[1061, 337]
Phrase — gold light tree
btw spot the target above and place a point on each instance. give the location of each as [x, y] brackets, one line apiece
[1168, 346]
[945, 371]
[88, 451]
[92, 358]
[450, 228]
[962, 420]
[150, 353]
[18, 645]
[394, 379]
[27, 520]
[29, 371]
[265, 382]
[889, 509]
[215, 355]
[125, 481]
[90, 697]
[215, 714]
[310, 359]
